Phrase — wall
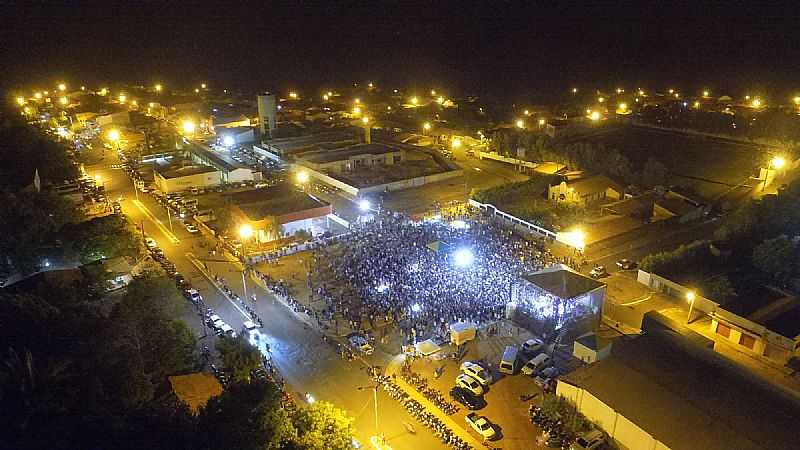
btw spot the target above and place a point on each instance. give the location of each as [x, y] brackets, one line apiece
[514, 161]
[518, 224]
[240, 174]
[168, 185]
[267, 154]
[412, 182]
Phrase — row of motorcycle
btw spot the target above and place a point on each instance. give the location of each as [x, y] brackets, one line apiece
[439, 429]
[554, 433]
[420, 383]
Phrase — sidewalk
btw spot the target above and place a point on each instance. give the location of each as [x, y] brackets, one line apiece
[393, 368]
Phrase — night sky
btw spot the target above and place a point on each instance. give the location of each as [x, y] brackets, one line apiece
[505, 49]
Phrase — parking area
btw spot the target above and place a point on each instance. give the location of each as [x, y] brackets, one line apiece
[508, 397]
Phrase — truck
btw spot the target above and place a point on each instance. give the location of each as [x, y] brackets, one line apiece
[462, 332]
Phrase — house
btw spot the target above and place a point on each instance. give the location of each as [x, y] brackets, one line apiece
[177, 177]
[351, 158]
[586, 191]
[591, 348]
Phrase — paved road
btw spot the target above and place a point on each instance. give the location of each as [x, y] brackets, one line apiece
[305, 361]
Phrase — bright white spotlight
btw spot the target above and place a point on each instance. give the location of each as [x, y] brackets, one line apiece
[228, 141]
[364, 205]
[463, 257]
[383, 288]
[416, 308]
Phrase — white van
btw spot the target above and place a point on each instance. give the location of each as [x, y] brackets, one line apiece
[508, 364]
[541, 360]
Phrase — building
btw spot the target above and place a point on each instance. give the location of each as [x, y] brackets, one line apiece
[122, 118]
[267, 113]
[557, 299]
[653, 206]
[229, 170]
[351, 158]
[176, 177]
[236, 135]
[660, 391]
[586, 191]
[279, 211]
[591, 348]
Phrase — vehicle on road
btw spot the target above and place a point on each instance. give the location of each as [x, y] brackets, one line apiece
[150, 242]
[477, 372]
[191, 228]
[532, 346]
[470, 384]
[626, 264]
[194, 296]
[481, 425]
[360, 343]
[537, 363]
[467, 398]
[508, 363]
[598, 272]
[590, 440]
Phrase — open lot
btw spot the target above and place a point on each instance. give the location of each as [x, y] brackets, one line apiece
[709, 166]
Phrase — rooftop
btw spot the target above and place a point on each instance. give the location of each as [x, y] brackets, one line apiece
[195, 389]
[326, 156]
[177, 170]
[211, 157]
[689, 397]
[563, 282]
[595, 183]
[274, 201]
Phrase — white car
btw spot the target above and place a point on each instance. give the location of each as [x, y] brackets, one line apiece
[482, 425]
[194, 296]
[532, 346]
[477, 372]
[191, 228]
[150, 242]
[470, 384]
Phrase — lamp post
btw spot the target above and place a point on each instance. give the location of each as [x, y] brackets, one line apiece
[776, 163]
[245, 232]
[375, 403]
[690, 298]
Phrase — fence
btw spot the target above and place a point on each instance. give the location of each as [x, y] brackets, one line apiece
[517, 222]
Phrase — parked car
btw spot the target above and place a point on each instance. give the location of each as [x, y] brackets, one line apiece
[590, 440]
[194, 296]
[482, 425]
[150, 242]
[467, 398]
[477, 372]
[470, 384]
[532, 346]
[598, 272]
[626, 264]
[537, 363]
[191, 228]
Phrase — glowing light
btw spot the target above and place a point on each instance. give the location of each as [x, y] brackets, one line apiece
[706, 93]
[575, 238]
[594, 115]
[414, 100]
[456, 143]
[416, 308]
[527, 113]
[433, 92]
[113, 135]
[574, 90]
[797, 100]
[357, 101]
[310, 398]
[383, 287]
[641, 92]
[302, 177]
[756, 103]
[690, 296]
[356, 110]
[520, 123]
[188, 127]
[196, 91]
[122, 98]
[104, 91]
[542, 122]
[330, 93]
[228, 141]
[134, 103]
[601, 99]
[463, 257]
[325, 97]
[677, 95]
[158, 88]
[623, 107]
[293, 95]
[426, 126]
[620, 91]
[63, 100]
[778, 162]
[20, 101]
[671, 91]
[747, 97]
[458, 224]
[151, 105]
[696, 104]
[440, 100]
[364, 205]
[83, 88]
[370, 85]
[365, 120]
[62, 87]
[37, 95]
[246, 231]
[202, 86]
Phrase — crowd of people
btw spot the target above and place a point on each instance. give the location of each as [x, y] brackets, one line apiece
[410, 273]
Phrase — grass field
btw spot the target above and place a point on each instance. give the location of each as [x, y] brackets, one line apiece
[694, 161]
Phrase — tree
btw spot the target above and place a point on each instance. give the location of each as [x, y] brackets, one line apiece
[102, 237]
[718, 288]
[776, 257]
[239, 357]
[654, 173]
[246, 416]
[323, 426]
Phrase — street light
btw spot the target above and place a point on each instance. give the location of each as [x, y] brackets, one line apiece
[414, 101]
[456, 143]
[37, 95]
[365, 120]
[426, 126]
[690, 298]
[777, 163]
[520, 123]
[302, 177]
[542, 122]
[20, 101]
[188, 127]
[63, 100]
[463, 257]
[594, 116]
[62, 87]
[706, 94]
[756, 103]
[202, 85]
[293, 95]
[158, 88]
[363, 205]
